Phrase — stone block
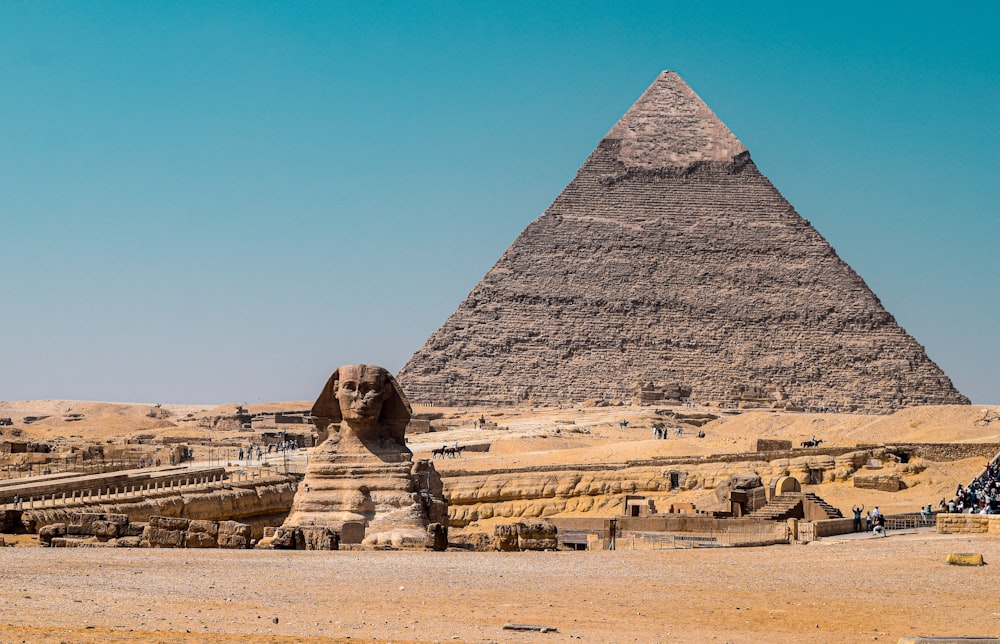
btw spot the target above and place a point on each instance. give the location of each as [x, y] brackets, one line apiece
[197, 526]
[234, 535]
[352, 532]
[169, 523]
[135, 529]
[98, 524]
[200, 540]
[106, 529]
[505, 537]
[47, 533]
[128, 542]
[965, 559]
[284, 539]
[437, 537]
[162, 538]
[525, 535]
[884, 483]
[318, 539]
[772, 445]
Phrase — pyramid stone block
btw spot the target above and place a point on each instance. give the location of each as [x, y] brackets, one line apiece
[671, 259]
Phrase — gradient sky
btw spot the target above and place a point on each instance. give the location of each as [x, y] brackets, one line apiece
[207, 202]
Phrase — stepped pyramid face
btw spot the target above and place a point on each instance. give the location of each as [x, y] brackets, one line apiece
[671, 259]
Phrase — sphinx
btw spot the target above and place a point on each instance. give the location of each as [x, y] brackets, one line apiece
[362, 473]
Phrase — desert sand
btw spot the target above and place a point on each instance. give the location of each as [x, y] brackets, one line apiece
[834, 590]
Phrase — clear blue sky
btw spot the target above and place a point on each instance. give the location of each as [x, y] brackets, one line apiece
[221, 202]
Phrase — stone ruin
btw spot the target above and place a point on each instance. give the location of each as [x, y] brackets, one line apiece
[670, 258]
[107, 529]
[650, 394]
[533, 534]
[361, 485]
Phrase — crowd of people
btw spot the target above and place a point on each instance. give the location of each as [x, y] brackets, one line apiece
[981, 496]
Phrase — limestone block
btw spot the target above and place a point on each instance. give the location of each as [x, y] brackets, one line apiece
[505, 537]
[525, 535]
[83, 522]
[169, 523]
[200, 540]
[352, 532]
[128, 542]
[210, 528]
[965, 559]
[47, 533]
[284, 539]
[162, 538]
[234, 535]
[318, 539]
[885, 483]
[106, 529]
[437, 537]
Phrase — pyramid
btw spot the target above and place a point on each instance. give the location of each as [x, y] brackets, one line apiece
[671, 259]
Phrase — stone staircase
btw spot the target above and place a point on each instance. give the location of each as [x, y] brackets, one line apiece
[780, 508]
[790, 506]
[831, 512]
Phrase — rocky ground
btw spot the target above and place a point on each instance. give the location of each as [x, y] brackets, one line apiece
[837, 590]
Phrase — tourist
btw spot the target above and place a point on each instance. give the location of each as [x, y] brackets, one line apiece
[981, 495]
[879, 525]
[857, 510]
[868, 521]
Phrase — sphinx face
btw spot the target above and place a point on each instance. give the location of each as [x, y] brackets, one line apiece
[361, 391]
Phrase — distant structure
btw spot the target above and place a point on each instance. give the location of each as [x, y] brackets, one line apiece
[670, 258]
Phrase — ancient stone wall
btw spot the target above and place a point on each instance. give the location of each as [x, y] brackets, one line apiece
[256, 503]
[968, 523]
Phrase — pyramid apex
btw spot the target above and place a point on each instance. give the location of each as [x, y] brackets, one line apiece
[670, 127]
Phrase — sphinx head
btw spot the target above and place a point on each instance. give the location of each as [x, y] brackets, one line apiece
[361, 391]
[366, 399]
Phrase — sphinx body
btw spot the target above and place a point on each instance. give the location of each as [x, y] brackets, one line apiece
[363, 472]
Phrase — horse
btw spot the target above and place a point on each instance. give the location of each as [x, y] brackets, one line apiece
[454, 452]
[439, 451]
[812, 442]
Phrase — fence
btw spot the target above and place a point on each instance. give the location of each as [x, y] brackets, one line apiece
[743, 535]
[75, 465]
[909, 521]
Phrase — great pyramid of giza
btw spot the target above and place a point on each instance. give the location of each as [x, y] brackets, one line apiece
[670, 259]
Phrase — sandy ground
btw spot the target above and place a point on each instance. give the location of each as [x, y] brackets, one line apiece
[567, 435]
[838, 590]
[835, 590]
